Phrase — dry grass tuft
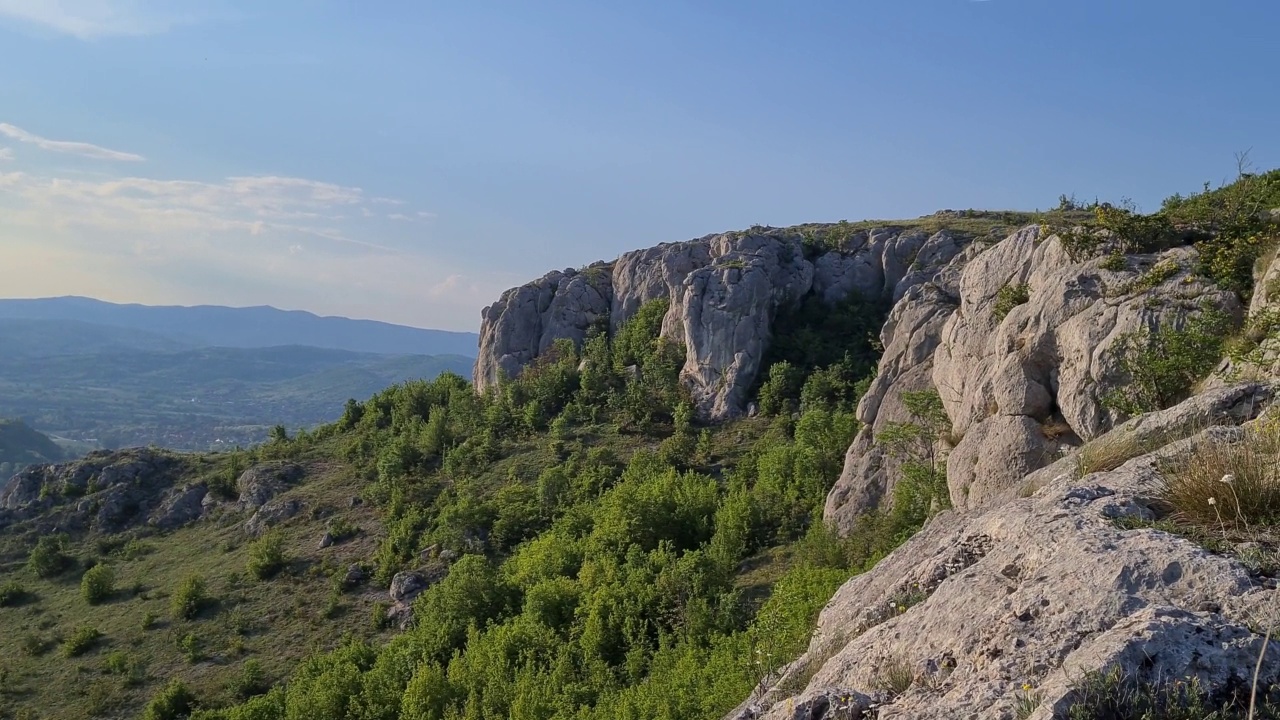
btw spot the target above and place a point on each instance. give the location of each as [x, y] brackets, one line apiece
[894, 677]
[1228, 486]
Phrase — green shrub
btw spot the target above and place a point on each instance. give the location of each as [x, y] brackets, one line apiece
[190, 598]
[1164, 364]
[49, 557]
[251, 681]
[12, 593]
[191, 645]
[97, 584]
[81, 641]
[174, 701]
[1115, 262]
[149, 619]
[1010, 297]
[266, 555]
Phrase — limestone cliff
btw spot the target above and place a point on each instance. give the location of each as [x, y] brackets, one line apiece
[1019, 342]
[724, 292]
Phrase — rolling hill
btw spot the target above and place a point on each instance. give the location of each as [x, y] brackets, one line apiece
[249, 327]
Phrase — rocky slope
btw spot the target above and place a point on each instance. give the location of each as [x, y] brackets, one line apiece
[1003, 603]
[1034, 592]
[724, 292]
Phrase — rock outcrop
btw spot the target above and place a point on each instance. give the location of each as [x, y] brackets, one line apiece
[263, 481]
[723, 293]
[1035, 592]
[105, 491]
[1020, 342]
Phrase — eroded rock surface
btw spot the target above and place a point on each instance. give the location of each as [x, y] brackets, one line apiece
[105, 490]
[264, 481]
[1021, 382]
[1040, 590]
[723, 292]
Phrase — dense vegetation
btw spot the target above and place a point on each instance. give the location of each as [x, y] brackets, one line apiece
[617, 561]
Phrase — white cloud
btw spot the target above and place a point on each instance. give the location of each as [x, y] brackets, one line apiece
[65, 146]
[399, 216]
[243, 240]
[90, 19]
[6, 153]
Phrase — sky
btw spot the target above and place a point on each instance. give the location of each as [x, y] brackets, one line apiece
[407, 161]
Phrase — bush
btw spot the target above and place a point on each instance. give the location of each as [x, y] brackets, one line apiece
[173, 702]
[49, 557]
[190, 645]
[190, 598]
[1115, 695]
[266, 556]
[1228, 486]
[12, 593]
[1163, 364]
[81, 641]
[1010, 297]
[250, 682]
[98, 583]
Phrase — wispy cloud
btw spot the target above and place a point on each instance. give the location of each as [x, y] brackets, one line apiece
[6, 153]
[90, 19]
[66, 146]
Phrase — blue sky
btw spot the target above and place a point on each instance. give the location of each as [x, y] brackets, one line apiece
[406, 161]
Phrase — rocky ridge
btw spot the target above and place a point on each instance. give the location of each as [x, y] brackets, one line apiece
[724, 292]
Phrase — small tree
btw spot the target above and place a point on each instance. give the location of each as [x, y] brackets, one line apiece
[267, 556]
[190, 598]
[49, 557]
[97, 584]
[916, 445]
[173, 702]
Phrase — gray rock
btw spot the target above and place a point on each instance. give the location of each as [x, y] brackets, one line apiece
[180, 506]
[264, 481]
[724, 292]
[355, 575]
[449, 556]
[1005, 380]
[527, 320]
[326, 541]
[1041, 590]
[406, 586]
[271, 514]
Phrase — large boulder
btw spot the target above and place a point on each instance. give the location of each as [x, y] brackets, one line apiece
[527, 320]
[1037, 591]
[271, 514]
[264, 481]
[180, 506]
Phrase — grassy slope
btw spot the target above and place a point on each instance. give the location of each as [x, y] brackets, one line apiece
[286, 616]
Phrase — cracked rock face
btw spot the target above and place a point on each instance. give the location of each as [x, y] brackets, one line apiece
[1041, 590]
[724, 293]
[1019, 389]
[105, 491]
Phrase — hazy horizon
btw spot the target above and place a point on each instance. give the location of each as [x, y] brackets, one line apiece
[407, 163]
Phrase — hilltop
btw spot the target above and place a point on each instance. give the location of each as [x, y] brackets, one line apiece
[1017, 468]
[21, 446]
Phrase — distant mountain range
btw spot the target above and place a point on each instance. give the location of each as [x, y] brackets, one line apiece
[203, 377]
[250, 327]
